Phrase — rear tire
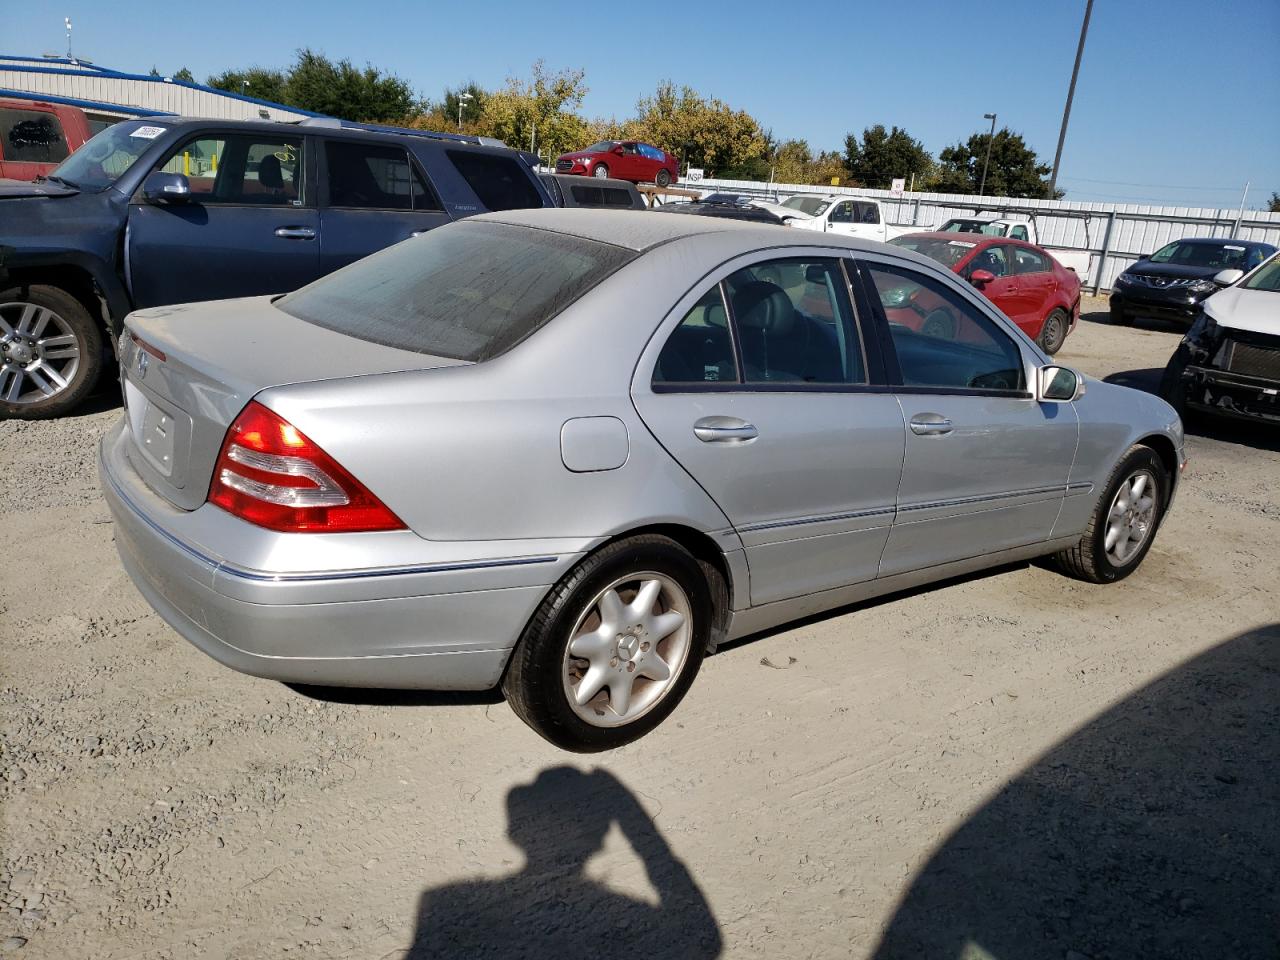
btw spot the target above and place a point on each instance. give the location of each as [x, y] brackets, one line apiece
[573, 634]
[1122, 518]
[50, 352]
[1054, 332]
[663, 178]
[601, 170]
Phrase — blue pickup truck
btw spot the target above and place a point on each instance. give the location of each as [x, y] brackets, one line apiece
[173, 210]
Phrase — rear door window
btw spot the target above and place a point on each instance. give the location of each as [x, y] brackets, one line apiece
[31, 136]
[375, 177]
[499, 182]
[467, 293]
[1026, 260]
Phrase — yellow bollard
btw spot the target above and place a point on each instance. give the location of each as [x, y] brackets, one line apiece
[213, 163]
[186, 164]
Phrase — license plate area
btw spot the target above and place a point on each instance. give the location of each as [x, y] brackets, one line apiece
[160, 432]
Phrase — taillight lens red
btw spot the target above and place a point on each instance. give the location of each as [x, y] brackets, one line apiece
[270, 474]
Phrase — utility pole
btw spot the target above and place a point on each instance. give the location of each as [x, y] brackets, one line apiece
[1071, 93]
[462, 97]
[1244, 196]
[982, 187]
[67, 21]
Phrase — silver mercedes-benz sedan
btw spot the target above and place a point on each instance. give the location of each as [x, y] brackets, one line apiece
[570, 451]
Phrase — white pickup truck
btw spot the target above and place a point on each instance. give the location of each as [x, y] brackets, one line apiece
[1077, 260]
[840, 213]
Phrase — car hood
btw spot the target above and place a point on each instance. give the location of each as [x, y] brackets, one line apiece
[12, 189]
[578, 155]
[1148, 268]
[1255, 310]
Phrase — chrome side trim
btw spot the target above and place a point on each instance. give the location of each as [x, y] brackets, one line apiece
[801, 521]
[1082, 486]
[964, 501]
[241, 573]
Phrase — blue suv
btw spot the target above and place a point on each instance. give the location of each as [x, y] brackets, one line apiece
[173, 210]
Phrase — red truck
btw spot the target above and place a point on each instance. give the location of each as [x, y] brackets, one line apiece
[36, 136]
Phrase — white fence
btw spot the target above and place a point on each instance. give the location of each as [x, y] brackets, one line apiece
[1114, 235]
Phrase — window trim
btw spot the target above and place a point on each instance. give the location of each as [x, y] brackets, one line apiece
[872, 357]
[893, 370]
[414, 165]
[307, 167]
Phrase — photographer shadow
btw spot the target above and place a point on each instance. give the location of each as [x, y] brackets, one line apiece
[551, 908]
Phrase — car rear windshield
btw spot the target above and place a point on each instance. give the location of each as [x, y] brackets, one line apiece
[946, 252]
[470, 291]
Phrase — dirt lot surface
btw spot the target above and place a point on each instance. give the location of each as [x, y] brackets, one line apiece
[1014, 765]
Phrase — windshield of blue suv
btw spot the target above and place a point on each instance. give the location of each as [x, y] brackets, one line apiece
[1267, 278]
[108, 156]
[1223, 256]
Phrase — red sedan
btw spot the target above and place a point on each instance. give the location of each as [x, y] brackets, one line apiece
[623, 159]
[1033, 290]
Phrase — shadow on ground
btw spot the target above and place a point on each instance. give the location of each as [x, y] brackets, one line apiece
[378, 697]
[551, 909]
[1152, 832]
[1256, 434]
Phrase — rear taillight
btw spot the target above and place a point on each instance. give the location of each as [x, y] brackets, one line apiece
[270, 474]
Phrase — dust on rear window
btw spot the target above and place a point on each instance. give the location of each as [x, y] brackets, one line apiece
[469, 291]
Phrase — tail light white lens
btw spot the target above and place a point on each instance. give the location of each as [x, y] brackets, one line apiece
[270, 474]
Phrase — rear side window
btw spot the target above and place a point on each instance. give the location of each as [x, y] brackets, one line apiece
[500, 182]
[375, 177]
[470, 291]
[1028, 261]
[31, 136]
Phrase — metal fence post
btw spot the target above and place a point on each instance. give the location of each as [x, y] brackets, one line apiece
[915, 214]
[1106, 248]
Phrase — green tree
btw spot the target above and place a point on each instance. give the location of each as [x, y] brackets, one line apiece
[343, 90]
[702, 131]
[540, 111]
[882, 155]
[257, 82]
[1273, 205]
[1014, 170]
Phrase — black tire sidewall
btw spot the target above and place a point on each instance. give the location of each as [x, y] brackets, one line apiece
[542, 701]
[87, 332]
[1136, 459]
[1051, 347]
[663, 178]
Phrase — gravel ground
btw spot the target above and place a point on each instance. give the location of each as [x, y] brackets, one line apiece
[1011, 765]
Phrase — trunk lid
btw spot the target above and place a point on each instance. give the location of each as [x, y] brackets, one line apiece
[187, 371]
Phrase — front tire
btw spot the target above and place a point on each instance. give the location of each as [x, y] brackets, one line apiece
[1054, 332]
[601, 170]
[1124, 522]
[50, 352]
[614, 647]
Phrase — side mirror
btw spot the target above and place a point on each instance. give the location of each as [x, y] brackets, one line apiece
[160, 187]
[1059, 384]
[1225, 278]
[980, 278]
[618, 150]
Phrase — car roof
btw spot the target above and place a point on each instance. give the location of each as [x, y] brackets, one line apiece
[303, 130]
[1224, 241]
[642, 230]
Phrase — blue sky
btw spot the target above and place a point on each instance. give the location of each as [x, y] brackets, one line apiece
[1177, 99]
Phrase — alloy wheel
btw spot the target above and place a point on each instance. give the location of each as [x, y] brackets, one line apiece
[627, 649]
[1131, 518]
[39, 353]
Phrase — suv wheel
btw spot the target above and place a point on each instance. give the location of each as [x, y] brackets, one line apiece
[50, 352]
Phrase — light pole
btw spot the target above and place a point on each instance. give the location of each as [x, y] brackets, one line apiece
[982, 187]
[461, 98]
[1071, 92]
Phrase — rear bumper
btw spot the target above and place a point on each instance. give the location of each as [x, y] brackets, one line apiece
[1231, 394]
[436, 626]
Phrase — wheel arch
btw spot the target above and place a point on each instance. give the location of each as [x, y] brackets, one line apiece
[1165, 450]
[76, 280]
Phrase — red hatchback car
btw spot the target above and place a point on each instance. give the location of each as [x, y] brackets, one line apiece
[1031, 288]
[623, 159]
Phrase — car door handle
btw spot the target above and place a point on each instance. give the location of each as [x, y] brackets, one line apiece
[930, 425]
[295, 233]
[724, 430]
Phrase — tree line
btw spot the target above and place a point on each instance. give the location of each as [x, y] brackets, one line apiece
[542, 112]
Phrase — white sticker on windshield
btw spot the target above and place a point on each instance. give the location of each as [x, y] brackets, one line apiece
[1227, 246]
[147, 133]
[961, 243]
